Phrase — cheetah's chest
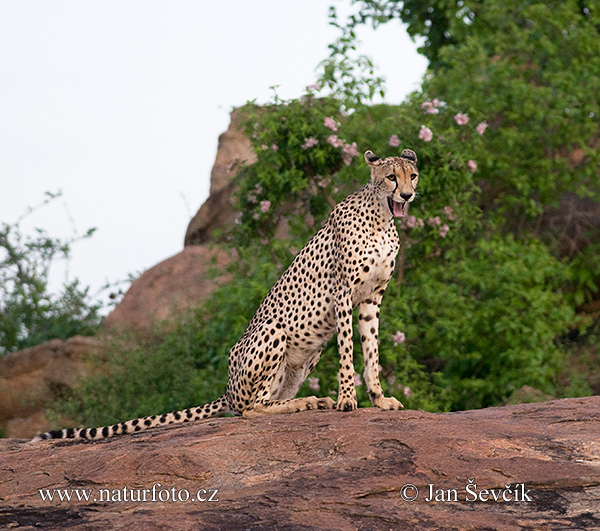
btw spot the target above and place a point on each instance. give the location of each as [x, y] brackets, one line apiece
[380, 261]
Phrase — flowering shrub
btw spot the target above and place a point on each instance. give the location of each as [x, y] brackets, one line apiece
[481, 323]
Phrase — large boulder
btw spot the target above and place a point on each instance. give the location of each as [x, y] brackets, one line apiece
[169, 289]
[32, 377]
[368, 469]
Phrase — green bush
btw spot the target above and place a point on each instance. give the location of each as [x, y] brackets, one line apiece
[485, 320]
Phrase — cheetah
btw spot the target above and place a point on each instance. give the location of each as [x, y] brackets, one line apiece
[348, 263]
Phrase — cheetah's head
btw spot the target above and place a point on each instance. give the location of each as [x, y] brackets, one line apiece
[395, 179]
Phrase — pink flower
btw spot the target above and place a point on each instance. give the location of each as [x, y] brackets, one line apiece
[448, 212]
[335, 141]
[407, 392]
[428, 107]
[351, 149]
[434, 222]
[399, 337]
[425, 134]
[313, 384]
[379, 368]
[472, 165]
[309, 220]
[394, 141]
[349, 152]
[482, 127]
[275, 147]
[264, 241]
[444, 230]
[309, 142]
[357, 380]
[461, 119]
[410, 221]
[264, 206]
[264, 146]
[315, 86]
[330, 123]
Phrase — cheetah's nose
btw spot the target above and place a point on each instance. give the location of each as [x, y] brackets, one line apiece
[406, 196]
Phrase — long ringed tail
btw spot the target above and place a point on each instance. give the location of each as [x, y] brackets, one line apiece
[212, 409]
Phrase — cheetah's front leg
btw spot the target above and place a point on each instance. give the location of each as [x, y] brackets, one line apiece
[346, 390]
[368, 326]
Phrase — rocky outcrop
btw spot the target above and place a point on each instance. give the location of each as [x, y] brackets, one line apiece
[32, 377]
[219, 210]
[185, 280]
[367, 469]
[170, 288]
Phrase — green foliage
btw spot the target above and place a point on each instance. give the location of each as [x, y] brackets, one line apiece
[135, 379]
[537, 73]
[444, 25]
[349, 75]
[310, 156]
[485, 319]
[29, 313]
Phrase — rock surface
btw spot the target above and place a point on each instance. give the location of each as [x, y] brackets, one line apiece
[323, 470]
[169, 288]
[30, 378]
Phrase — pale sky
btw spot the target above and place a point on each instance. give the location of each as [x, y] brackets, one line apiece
[119, 104]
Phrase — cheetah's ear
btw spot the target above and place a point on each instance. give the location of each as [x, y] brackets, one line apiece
[372, 159]
[409, 154]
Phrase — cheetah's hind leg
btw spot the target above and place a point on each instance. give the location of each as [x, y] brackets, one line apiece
[272, 378]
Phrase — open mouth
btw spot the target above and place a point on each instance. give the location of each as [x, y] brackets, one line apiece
[397, 209]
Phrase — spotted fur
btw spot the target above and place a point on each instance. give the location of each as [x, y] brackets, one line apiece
[348, 263]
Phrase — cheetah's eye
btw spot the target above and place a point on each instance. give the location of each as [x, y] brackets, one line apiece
[413, 176]
[391, 177]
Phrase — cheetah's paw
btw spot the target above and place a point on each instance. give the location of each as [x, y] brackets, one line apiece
[312, 402]
[346, 404]
[390, 403]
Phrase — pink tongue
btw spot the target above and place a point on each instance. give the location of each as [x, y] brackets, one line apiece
[398, 209]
